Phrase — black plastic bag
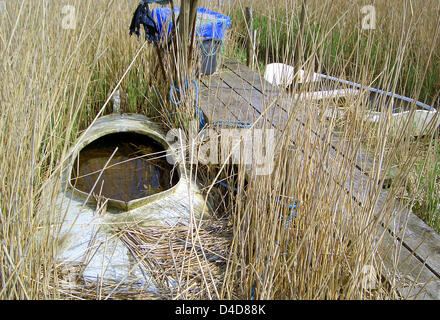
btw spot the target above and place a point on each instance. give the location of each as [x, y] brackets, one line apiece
[142, 15]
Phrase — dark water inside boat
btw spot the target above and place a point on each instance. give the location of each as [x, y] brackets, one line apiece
[137, 170]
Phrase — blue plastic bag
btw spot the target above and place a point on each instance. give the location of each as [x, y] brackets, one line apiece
[210, 24]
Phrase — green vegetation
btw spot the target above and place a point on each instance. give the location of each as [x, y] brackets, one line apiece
[341, 37]
[427, 205]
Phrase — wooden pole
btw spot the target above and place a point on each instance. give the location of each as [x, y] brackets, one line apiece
[192, 22]
[250, 43]
[298, 44]
[192, 11]
[184, 29]
[174, 40]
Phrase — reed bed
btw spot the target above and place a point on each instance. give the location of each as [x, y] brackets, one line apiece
[191, 259]
[58, 81]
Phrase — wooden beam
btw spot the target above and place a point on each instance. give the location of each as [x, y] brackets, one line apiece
[298, 43]
[417, 244]
[184, 29]
[250, 43]
[192, 22]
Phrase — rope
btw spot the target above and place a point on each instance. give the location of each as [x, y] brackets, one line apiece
[292, 214]
[225, 185]
[229, 123]
[199, 111]
[255, 284]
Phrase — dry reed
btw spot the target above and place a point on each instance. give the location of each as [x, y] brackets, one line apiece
[56, 81]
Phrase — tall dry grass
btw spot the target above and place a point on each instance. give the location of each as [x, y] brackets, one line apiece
[54, 83]
[57, 81]
[317, 259]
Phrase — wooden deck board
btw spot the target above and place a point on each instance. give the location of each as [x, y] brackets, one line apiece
[417, 236]
[414, 281]
[255, 99]
[212, 107]
[244, 95]
[236, 106]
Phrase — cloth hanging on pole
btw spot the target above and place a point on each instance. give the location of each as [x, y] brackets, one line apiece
[142, 15]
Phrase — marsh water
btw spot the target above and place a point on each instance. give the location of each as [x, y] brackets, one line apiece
[138, 168]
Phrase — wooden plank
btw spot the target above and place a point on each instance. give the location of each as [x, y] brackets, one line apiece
[415, 250]
[413, 279]
[414, 233]
[212, 107]
[357, 182]
[283, 115]
[365, 164]
[233, 103]
[253, 98]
